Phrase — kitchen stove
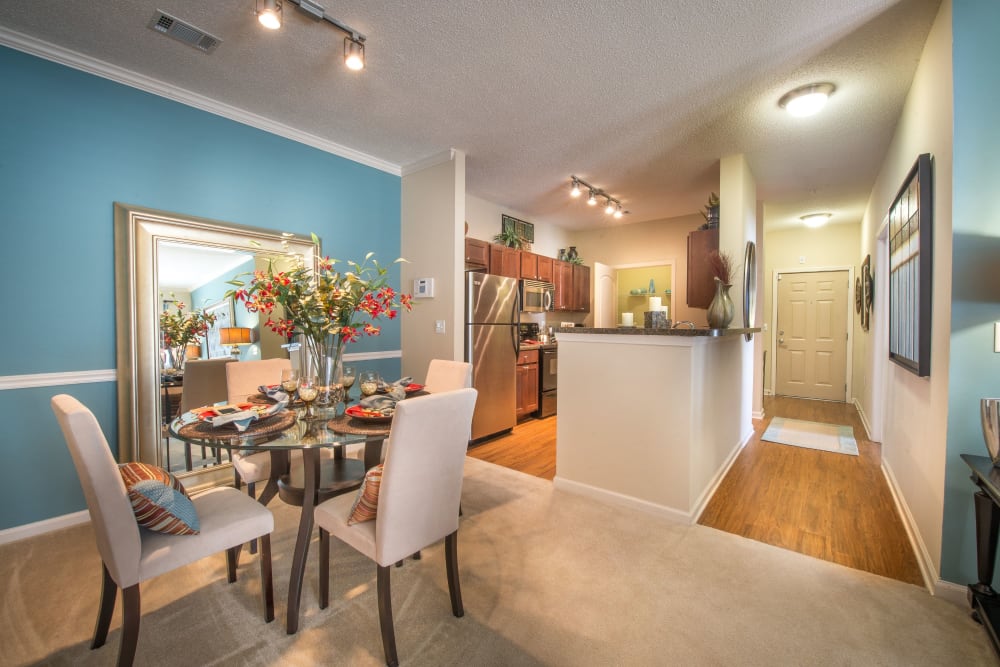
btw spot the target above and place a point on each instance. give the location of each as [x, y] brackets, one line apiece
[548, 363]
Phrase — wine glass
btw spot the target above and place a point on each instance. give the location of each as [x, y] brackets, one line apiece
[368, 383]
[347, 376]
[308, 391]
[289, 381]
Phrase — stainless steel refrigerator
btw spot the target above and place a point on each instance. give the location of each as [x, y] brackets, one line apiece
[491, 346]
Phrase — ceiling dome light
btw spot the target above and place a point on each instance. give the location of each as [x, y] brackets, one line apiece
[806, 100]
[815, 219]
[592, 199]
[269, 13]
[575, 192]
[354, 54]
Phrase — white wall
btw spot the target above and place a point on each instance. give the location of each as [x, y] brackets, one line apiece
[484, 223]
[432, 241]
[915, 429]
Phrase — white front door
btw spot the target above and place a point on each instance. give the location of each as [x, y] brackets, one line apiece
[812, 335]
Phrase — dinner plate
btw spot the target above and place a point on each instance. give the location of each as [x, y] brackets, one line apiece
[410, 389]
[359, 413]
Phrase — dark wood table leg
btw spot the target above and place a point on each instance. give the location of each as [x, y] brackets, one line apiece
[278, 460]
[310, 464]
[373, 451]
[987, 528]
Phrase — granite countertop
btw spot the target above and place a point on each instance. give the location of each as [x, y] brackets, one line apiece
[640, 331]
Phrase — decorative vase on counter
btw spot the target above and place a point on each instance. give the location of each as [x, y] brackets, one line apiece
[989, 410]
[721, 310]
[562, 255]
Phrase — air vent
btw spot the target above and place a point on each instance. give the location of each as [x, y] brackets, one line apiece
[183, 32]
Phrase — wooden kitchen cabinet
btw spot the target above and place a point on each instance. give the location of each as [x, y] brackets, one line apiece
[700, 280]
[581, 288]
[505, 261]
[529, 265]
[527, 383]
[563, 280]
[477, 254]
[545, 270]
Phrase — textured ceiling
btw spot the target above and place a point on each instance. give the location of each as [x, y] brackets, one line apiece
[640, 98]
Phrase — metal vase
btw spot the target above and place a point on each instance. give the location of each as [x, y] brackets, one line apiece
[989, 411]
[721, 310]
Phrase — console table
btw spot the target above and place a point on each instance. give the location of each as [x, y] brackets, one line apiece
[983, 599]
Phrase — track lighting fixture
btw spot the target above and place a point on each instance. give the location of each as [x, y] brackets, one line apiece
[268, 13]
[612, 206]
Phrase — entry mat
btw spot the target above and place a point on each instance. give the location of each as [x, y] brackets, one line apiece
[812, 435]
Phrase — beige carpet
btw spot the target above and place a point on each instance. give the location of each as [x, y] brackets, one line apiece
[548, 579]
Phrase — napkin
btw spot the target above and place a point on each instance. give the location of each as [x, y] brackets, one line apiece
[383, 402]
[242, 420]
[401, 382]
[274, 392]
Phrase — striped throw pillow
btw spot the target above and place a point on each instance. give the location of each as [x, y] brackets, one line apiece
[159, 500]
[365, 506]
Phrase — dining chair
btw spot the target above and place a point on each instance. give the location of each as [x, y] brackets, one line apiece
[130, 554]
[447, 375]
[418, 500]
[244, 378]
[204, 384]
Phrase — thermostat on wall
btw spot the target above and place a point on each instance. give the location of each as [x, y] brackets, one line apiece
[423, 288]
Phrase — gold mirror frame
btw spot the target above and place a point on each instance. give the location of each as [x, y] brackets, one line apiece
[137, 305]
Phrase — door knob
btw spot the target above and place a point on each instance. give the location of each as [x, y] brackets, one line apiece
[781, 333]
[781, 341]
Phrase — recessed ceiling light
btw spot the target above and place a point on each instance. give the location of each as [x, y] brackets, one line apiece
[815, 219]
[806, 100]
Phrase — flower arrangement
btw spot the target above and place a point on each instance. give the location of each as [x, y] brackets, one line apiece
[180, 328]
[721, 265]
[321, 301]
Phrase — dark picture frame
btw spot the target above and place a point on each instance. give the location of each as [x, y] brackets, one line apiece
[526, 230]
[911, 226]
[866, 292]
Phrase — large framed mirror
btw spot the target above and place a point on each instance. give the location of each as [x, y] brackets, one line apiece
[163, 258]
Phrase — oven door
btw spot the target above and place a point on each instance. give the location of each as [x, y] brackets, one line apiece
[548, 369]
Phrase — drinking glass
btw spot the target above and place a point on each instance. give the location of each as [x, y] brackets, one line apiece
[308, 391]
[347, 379]
[368, 382]
[289, 382]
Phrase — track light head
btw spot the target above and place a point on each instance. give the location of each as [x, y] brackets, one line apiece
[609, 208]
[269, 13]
[592, 200]
[618, 212]
[575, 191]
[354, 53]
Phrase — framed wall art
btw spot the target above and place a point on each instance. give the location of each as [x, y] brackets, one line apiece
[911, 227]
[866, 292]
[223, 311]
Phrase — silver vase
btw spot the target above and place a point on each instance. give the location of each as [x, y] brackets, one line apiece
[989, 411]
[721, 310]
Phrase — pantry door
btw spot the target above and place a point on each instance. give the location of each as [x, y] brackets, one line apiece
[811, 335]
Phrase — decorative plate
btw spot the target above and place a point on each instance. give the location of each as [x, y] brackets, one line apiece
[366, 415]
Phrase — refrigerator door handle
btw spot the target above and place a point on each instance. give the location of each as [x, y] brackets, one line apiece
[515, 309]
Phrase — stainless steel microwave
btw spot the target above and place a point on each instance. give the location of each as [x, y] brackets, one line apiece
[537, 296]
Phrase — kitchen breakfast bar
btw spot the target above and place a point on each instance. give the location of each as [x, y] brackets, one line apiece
[652, 418]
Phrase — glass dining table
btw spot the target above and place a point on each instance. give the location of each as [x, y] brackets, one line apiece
[319, 477]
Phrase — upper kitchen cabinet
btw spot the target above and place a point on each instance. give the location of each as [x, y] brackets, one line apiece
[572, 283]
[536, 267]
[505, 261]
[477, 254]
[700, 280]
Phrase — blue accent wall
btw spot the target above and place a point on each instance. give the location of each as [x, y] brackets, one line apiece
[72, 144]
[975, 305]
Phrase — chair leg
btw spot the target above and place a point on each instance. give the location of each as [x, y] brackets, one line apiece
[252, 490]
[237, 480]
[324, 569]
[130, 626]
[231, 555]
[454, 586]
[266, 579]
[385, 616]
[109, 593]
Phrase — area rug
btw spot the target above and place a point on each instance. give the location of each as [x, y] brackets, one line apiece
[812, 435]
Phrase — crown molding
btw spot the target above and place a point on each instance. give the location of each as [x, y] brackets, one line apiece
[427, 162]
[78, 61]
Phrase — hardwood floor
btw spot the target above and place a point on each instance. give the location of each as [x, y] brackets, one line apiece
[530, 448]
[830, 506]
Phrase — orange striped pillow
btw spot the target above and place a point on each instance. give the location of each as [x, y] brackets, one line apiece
[159, 500]
[365, 506]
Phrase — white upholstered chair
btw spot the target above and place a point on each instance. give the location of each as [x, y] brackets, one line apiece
[130, 554]
[418, 501]
[204, 384]
[446, 375]
[244, 378]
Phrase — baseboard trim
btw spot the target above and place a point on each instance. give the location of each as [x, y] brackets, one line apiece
[924, 559]
[18, 533]
[615, 498]
[864, 419]
[758, 415]
[954, 593]
[713, 486]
